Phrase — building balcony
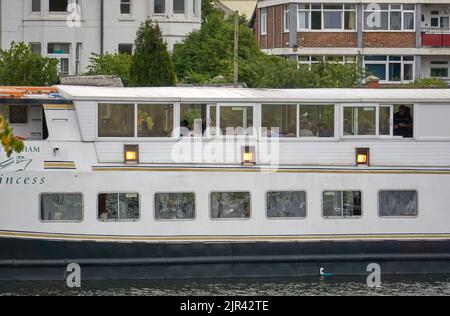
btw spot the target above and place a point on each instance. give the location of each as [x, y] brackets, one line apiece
[436, 37]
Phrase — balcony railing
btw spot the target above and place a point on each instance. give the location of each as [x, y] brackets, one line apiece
[436, 37]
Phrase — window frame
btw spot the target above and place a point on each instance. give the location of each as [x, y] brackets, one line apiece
[118, 220]
[9, 114]
[387, 64]
[135, 137]
[286, 218]
[218, 127]
[130, 5]
[398, 217]
[60, 221]
[175, 220]
[263, 18]
[298, 124]
[160, 13]
[309, 11]
[230, 219]
[286, 18]
[342, 200]
[184, 8]
[389, 10]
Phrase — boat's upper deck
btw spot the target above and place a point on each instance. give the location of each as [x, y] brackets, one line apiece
[217, 126]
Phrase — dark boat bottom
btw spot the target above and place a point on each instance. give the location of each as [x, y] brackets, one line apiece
[47, 260]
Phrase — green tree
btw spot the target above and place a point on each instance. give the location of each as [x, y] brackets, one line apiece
[9, 142]
[208, 53]
[19, 66]
[151, 64]
[111, 64]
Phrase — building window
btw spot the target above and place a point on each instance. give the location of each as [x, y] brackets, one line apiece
[279, 120]
[36, 48]
[61, 207]
[439, 69]
[390, 68]
[58, 5]
[173, 206]
[236, 120]
[326, 17]
[118, 207]
[61, 52]
[332, 59]
[228, 205]
[35, 5]
[116, 120]
[263, 21]
[397, 203]
[342, 204]
[389, 17]
[78, 58]
[125, 7]
[155, 120]
[125, 49]
[159, 6]
[178, 6]
[286, 204]
[287, 18]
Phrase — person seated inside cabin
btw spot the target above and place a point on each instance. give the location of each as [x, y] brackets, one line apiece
[145, 130]
[403, 122]
[184, 128]
[306, 130]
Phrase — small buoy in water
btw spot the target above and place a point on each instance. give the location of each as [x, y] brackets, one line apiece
[324, 274]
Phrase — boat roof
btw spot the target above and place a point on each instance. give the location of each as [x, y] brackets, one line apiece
[215, 94]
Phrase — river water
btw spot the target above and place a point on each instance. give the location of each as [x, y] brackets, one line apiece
[410, 285]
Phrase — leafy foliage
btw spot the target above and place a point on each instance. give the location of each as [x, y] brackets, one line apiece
[208, 53]
[9, 142]
[19, 66]
[111, 64]
[151, 64]
[429, 83]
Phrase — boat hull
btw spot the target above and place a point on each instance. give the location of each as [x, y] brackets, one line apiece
[34, 259]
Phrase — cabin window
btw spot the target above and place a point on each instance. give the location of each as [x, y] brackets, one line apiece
[286, 204]
[193, 120]
[236, 120]
[118, 207]
[228, 205]
[116, 120]
[155, 120]
[316, 120]
[15, 114]
[61, 207]
[173, 206]
[403, 120]
[397, 203]
[342, 204]
[360, 121]
[279, 120]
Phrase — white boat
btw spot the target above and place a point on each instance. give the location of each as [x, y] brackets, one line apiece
[226, 182]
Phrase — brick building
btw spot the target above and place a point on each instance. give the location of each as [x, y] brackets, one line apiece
[399, 41]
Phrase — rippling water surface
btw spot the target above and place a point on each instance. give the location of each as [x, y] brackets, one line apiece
[420, 285]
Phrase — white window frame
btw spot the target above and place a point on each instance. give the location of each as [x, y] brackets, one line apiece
[440, 64]
[256, 128]
[56, 12]
[178, 13]
[286, 18]
[387, 62]
[391, 8]
[126, 2]
[60, 221]
[322, 10]
[263, 18]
